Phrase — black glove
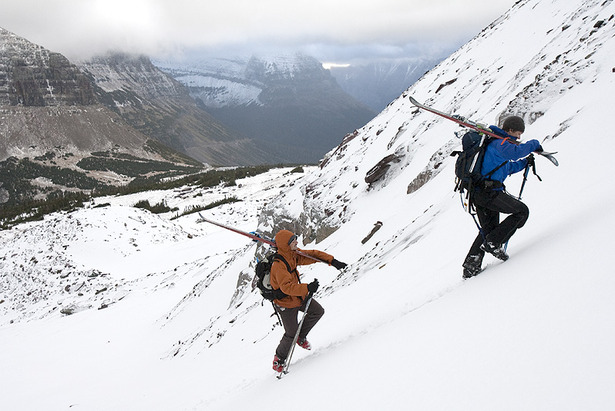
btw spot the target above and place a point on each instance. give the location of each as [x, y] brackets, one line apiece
[539, 149]
[530, 160]
[313, 286]
[338, 264]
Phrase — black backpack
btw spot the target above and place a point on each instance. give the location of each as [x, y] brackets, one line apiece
[263, 273]
[470, 161]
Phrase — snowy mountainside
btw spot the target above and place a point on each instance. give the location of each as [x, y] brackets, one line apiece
[75, 261]
[218, 80]
[533, 333]
[552, 71]
[46, 279]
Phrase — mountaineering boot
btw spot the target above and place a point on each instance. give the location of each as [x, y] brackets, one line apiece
[495, 250]
[278, 364]
[305, 344]
[471, 266]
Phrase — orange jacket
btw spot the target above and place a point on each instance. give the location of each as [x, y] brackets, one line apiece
[287, 281]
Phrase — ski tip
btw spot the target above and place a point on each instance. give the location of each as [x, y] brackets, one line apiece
[414, 101]
[550, 157]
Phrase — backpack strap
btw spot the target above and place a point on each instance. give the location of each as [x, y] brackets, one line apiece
[279, 257]
[279, 293]
[489, 174]
[484, 147]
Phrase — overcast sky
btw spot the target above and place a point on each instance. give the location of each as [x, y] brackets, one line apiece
[338, 31]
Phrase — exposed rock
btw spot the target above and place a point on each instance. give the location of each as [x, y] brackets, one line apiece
[159, 106]
[30, 75]
[377, 227]
[380, 169]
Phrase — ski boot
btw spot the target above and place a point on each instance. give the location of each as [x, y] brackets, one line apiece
[278, 363]
[305, 344]
[495, 250]
[472, 266]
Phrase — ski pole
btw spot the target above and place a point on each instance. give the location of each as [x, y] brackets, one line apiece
[292, 347]
[525, 173]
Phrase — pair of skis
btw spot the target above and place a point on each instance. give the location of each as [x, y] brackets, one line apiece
[256, 237]
[481, 128]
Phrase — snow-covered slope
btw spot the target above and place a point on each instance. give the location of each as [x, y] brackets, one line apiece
[402, 330]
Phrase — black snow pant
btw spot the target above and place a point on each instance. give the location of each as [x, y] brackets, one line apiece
[489, 205]
[291, 323]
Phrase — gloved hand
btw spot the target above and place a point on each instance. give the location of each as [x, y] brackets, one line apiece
[313, 286]
[539, 149]
[338, 264]
[530, 160]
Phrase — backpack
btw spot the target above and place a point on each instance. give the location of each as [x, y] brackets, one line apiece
[263, 274]
[469, 163]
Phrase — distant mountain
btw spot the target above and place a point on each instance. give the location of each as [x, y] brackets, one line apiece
[67, 128]
[377, 84]
[160, 107]
[55, 136]
[289, 103]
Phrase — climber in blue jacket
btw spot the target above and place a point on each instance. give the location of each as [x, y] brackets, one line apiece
[502, 158]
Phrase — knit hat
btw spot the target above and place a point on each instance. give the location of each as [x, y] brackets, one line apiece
[514, 123]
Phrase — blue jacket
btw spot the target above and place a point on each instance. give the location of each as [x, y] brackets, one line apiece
[500, 151]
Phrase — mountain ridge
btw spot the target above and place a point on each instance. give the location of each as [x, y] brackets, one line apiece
[159, 106]
[289, 103]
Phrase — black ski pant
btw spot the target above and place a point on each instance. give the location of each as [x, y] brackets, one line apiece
[489, 205]
[291, 323]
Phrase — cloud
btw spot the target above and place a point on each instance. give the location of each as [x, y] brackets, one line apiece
[81, 28]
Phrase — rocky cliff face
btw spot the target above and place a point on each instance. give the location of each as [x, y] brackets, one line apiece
[33, 76]
[160, 107]
[114, 113]
[48, 105]
[51, 119]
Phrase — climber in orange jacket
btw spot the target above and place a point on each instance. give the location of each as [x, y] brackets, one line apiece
[286, 278]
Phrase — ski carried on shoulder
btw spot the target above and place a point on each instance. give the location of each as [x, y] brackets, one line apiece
[481, 128]
[255, 237]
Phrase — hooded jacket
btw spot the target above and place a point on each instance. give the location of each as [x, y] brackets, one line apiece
[289, 282]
